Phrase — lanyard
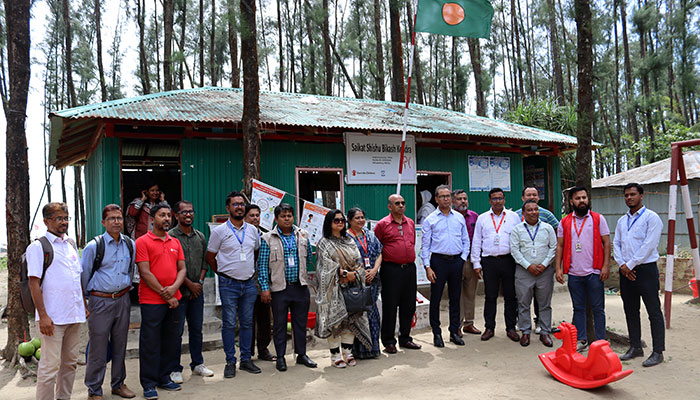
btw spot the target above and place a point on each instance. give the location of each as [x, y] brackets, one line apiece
[287, 244]
[629, 226]
[242, 238]
[363, 241]
[578, 231]
[532, 237]
[499, 224]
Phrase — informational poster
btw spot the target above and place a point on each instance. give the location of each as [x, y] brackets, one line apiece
[312, 221]
[267, 198]
[500, 173]
[374, 159]
[486, 173]
[421, 276]
[479, 177]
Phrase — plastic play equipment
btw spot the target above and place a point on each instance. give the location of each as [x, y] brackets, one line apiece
[600, 367]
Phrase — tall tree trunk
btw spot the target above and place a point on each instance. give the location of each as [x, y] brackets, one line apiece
[233, 46]
[631, 102]
[475, 55]
[156, 25]
[312, 48]
[556, 60]
[566, 58]
[646, 90]
[281, 45]
[17, 177]
[201, 43]
[327, 51]
[515, 35]
[585, 92]
[250, 120]
[79, 202]
[379, 77]
[143, 63]
[264, 40]
[417, 70]
[69, 53]
[183, 26]
[397, 79]
[212, 37]
[616, 95]
[292, 84]
[98, 39]
[168, 14]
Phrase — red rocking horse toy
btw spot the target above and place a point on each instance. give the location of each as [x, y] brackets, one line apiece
[599, 368]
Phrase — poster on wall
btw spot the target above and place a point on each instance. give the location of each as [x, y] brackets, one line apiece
[374, 159]
[267, 198]
[312, 221]
[486, 173]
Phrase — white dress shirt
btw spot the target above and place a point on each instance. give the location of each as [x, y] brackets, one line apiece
[484, 243]
[61, 288]
[637, 238]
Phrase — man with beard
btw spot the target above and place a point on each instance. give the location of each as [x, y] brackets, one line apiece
[460, 202]
[262, 321]
[583, 252]
[635, 248]
[231, 254]
[191, 308]
[59, 302]
[161, 263]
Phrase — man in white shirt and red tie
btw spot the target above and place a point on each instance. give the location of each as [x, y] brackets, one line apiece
[635, 249]
[491, 257]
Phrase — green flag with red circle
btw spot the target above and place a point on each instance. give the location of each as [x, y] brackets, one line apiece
[466, 18]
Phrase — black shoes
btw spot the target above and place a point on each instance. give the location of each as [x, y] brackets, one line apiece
[281, 364]
[306, 361]
[654, 359]
[437, 340]
[249, 366]
[454, 338]
[633, 352]
[230, 370]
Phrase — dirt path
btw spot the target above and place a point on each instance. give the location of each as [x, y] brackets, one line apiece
[498, 368]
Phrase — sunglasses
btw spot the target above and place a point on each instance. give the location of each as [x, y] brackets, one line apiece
[338, 220]
[400, 203]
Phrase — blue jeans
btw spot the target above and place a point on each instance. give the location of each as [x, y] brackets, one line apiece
[237, 299]
[193, 311]
[591, 288]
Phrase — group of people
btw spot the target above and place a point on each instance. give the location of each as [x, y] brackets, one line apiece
[264, 283]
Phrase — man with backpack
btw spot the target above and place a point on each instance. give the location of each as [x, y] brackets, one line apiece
[108, 268]
[54, 281]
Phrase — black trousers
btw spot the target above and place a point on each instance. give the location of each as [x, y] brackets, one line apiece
[158, 341]
[499, 272]
[261, 326]
[447, 271]
[295, 299]
[646, 287]
[398, 292]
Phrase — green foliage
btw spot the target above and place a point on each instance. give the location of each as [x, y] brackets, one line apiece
[3, 263]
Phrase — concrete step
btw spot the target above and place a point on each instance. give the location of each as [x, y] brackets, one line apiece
[211, 341]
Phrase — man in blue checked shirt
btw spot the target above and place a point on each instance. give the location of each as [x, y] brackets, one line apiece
[445, 248]
[282, 260]
[635, 250]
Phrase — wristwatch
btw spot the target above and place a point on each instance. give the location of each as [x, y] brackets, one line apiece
[345, 273]
[201, 282]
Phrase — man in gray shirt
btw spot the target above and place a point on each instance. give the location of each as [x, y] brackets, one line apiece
[533, 245]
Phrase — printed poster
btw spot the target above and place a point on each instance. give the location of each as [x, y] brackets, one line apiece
[267, 198]
[312, 221]
[500, 173]
[486, 173]
[374, 159]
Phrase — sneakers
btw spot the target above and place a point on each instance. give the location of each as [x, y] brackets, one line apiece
[202, 370]
[230, 370]
[150, 394]
[582, 346]
[176, 376]
[170, 386]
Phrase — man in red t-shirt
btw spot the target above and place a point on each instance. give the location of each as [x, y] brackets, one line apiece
[161, 263]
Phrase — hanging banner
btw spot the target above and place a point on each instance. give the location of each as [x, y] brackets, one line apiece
[486, 173]
[312, 221]
[374, 159]
[267, 198]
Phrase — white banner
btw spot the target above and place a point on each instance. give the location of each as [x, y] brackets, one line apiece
[312, 221]
[374, 159]
[267, 198]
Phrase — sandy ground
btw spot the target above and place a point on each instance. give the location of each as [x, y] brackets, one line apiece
[498, 368]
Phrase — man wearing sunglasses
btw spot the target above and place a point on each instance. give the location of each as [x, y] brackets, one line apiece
[397, 234]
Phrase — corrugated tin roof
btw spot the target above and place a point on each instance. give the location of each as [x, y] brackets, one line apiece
[657, 172]
[225, 105]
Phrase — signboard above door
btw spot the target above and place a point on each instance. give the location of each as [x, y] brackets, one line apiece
[374, 158]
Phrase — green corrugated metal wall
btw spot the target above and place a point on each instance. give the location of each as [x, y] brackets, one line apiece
[102, 183]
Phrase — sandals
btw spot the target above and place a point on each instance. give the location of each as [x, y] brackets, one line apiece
[337, 361]
[349, 358]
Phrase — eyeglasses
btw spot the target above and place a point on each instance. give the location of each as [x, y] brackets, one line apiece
[338, 220]
[187, 212]
[444, 196]
[237, 205]
[60, 219]
[498, 198]
[400, 203]
[115, 219]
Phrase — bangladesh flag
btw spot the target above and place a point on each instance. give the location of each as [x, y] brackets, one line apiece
[468, 18]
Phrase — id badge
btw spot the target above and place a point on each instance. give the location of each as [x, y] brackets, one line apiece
[496, 240]
[242, 256]
[533, 252]
[578, 247]
[367, 263]
[291, 261]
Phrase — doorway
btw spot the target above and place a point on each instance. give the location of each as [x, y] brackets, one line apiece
[322, 186]
[148, 162]
[425, 191]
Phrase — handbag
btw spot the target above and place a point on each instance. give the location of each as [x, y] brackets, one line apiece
[358, 298]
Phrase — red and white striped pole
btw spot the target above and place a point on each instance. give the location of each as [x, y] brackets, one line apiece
[408, 96]
[672, 200]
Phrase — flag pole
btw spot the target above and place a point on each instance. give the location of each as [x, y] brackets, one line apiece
[408, 96]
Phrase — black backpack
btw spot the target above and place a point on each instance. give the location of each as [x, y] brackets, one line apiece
[25, 294]
[100, 253]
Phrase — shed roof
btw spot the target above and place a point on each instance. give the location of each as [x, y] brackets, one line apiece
[657, 172]
[218, 105]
